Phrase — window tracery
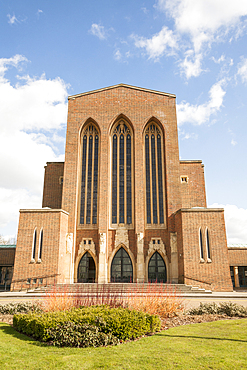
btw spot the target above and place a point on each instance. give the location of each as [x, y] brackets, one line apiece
[89, 175]
[122, 168]
[154, 173]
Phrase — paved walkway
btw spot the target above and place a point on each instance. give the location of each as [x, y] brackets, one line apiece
[190, 299]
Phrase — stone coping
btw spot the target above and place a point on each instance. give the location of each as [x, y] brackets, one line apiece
[199, 209]
[44, 210]
[121, 85]
[190, 161]
[237, 246]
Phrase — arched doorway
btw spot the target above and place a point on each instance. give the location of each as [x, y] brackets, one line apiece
[121, 267]
[157, 269]
[86, 269]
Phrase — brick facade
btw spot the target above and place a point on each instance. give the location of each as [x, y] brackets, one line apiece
[66, 239]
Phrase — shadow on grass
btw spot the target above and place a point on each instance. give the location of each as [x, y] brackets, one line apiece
[197, 337]
[9, 330]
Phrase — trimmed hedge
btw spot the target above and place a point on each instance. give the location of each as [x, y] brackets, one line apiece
[120, 322]
[224, 308]
[20, 307]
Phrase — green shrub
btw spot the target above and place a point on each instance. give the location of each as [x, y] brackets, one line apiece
[73, 335]
[20, 307]
[120, 322]
[225, 308]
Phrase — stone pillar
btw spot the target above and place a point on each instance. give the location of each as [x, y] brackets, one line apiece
[174, 258]
[140, 272]
[236, 276]
[102, 272]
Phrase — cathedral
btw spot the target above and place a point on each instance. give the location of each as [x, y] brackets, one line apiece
[123, 207]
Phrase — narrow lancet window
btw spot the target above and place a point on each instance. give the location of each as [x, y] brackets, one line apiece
[34, 244]
[121, 180]
[40, 244]
[154, 171]
[208, 245]
[89, 175]
[201, 245]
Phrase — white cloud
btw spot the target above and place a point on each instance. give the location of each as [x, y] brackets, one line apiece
[30, 112]
[203, 20]
[199, 114]
[191, 65]
[233, 142]
[98, 30]
[242, 70]
[197, 24]
[12, 19]
[236, 223]
[164, 42]
[117, 55]
[220, 59]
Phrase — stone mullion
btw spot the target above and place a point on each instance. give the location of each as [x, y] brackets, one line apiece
[92, 181]
[86, 179]
[157, 179]
[150, 176]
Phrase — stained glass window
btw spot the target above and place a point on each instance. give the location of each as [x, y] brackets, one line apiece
[89, 175]
[121, 174]
[154, 171]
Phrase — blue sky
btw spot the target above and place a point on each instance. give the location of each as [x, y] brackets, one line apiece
[194, 49]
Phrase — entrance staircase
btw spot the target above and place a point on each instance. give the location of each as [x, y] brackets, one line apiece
[123, 289]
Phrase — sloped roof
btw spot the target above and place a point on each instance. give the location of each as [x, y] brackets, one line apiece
[121, 85]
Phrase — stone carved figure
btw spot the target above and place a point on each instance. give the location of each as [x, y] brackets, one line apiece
[69, 242]
[102, 242]
[173, 241]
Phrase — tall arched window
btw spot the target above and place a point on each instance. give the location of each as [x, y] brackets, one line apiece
[154, 171]
[34, 244]
[201, 245]
[40, 245]
[89, 175]
[208, 246]
[122, 168]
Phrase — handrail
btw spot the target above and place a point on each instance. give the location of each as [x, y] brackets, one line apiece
[200, 281]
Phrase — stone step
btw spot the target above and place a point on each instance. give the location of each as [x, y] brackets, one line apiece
[121, 288]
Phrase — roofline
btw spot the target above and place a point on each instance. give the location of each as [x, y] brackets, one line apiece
[121, 85]
[190, 161]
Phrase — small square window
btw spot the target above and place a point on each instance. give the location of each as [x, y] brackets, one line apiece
[34, 281]
[41, 281]
[89, 242]
[184, 179]
[61, 180]
[28, 281]
[158, 241]
[153, 241]
[84, 241]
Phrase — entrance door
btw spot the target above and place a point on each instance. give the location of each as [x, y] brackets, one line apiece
[86, 269]
[242, 273]
[121, 268]
[157, 269]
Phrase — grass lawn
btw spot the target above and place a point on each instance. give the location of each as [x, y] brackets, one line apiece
[215, 345]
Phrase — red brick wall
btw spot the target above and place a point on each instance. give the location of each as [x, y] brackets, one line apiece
[7, 256]
[104, 107]
[237, 256]
[193, 192]
[52, 222]
[53, 187]
[217, 273]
